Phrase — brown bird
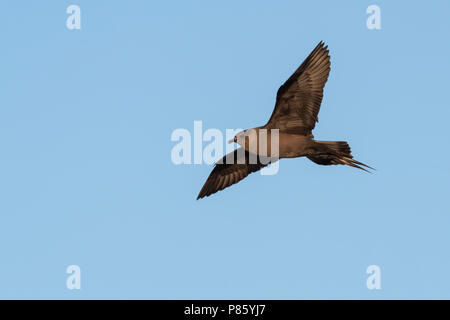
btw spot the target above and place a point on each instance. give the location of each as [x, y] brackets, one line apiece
[295, 115]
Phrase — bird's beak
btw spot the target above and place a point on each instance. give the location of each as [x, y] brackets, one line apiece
[231, 141]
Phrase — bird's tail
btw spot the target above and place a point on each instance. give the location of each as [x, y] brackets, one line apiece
[334, 152]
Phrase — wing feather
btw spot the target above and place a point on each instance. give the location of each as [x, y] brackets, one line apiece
[226, 174]
[299, 98]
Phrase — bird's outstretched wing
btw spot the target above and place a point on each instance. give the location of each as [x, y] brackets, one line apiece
[231, 169]
[299, 98]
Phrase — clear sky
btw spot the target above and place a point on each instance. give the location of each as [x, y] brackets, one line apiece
[86, 176]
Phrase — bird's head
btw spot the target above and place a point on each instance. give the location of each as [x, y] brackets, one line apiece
[239, 138]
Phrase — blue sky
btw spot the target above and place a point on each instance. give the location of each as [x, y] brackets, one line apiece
[86, 176]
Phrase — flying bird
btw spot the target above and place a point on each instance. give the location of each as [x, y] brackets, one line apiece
[294, 116]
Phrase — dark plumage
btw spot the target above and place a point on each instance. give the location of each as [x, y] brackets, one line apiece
[224, 175]
[299, 98]
[295, 115]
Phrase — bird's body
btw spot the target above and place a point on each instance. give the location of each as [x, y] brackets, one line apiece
[288, 145]
[288, 133]
[294, 145]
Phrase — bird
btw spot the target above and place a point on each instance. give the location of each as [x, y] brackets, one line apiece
[294, 117]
